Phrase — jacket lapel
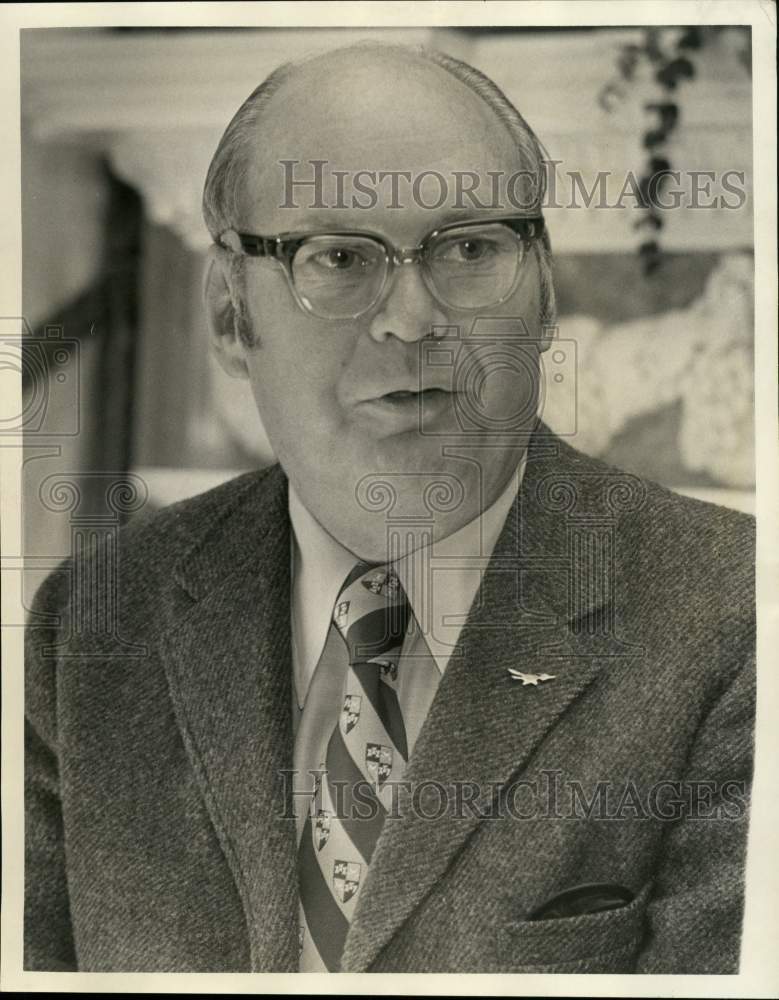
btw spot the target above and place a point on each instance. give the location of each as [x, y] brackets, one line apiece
[227, 660]
[545, 605]
[483, 726]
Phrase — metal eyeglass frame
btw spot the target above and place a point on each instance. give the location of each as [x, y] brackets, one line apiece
[283, 247]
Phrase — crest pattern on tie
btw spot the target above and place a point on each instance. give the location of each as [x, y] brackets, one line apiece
[366, 751]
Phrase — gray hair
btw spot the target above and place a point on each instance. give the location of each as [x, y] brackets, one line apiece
[228, 168]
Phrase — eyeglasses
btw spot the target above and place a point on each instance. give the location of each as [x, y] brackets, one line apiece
[342, 275]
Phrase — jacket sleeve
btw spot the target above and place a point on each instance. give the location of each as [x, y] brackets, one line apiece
[48, 937]
[694, 917]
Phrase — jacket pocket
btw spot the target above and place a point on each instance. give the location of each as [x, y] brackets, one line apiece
[590, 942]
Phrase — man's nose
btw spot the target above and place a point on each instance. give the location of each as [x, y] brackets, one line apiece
[409, 311]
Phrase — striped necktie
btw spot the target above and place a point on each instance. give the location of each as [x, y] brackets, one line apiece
[366, 751]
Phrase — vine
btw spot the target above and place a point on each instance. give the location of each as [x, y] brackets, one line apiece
[670, 56]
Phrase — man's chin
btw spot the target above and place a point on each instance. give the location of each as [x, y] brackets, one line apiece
[426, 453]
[381, 496]
[392, 539]
[399, 499]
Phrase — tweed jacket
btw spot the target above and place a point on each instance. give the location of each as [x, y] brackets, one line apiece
[159, 829]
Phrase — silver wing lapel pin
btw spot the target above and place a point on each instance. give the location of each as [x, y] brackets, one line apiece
[534, 679]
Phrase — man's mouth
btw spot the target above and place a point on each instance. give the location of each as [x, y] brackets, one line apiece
[408, 409]
[421, 395]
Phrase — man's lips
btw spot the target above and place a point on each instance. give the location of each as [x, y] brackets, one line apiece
[402, 395]
[401, 410]
[410, 394]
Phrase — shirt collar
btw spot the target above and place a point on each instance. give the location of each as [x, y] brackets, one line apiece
[440, 580]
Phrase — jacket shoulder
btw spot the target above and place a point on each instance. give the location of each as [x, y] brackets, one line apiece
[186, 521]
[149, 546]
[695, 558]
[671, 525]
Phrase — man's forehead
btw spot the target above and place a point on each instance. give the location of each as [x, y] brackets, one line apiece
[349, 124]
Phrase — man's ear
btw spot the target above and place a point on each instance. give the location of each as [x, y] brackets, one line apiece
[549, 328]
[548, 334]
[223, 310]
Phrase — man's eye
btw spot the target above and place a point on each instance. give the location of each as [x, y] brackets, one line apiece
[470, 250]
[339, 259]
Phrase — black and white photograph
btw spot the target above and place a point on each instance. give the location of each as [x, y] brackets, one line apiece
[395, 560]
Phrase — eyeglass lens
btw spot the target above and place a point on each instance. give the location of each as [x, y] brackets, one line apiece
[471, 267]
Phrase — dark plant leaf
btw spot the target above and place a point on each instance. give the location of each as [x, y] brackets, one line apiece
[651, 257]
[682, 68]
[628, 60]
[666, 78]
[691, 39]
[656, 137]
[648, 188]
[649, 221]
[668, 112]
[659, 165]
[652, 45]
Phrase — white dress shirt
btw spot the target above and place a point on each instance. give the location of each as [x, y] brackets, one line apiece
[440, 580]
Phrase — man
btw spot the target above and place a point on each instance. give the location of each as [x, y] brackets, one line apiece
[436, 692]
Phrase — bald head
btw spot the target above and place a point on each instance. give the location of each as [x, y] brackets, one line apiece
[392, 98]
[367, 106]
[381, 95]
